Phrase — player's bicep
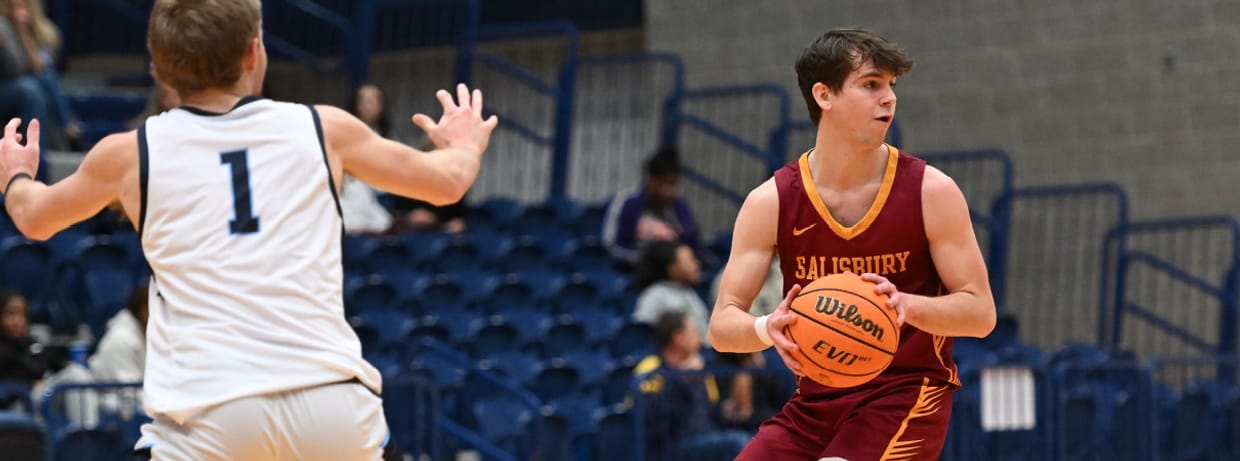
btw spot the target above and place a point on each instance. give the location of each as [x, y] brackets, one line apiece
[953, 245]
[753, 246]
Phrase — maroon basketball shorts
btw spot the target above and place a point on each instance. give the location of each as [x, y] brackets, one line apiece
[903, 420]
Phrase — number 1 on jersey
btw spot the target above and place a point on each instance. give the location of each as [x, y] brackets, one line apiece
[244, 221]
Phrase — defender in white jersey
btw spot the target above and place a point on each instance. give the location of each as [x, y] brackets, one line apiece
[249, 355]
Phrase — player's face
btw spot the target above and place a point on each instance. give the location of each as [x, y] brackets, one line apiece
[13, 318]
[864, 108]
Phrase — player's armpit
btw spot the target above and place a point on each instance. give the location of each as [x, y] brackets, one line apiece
[40, 211]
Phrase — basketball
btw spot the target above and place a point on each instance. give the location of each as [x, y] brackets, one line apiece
[845, 333]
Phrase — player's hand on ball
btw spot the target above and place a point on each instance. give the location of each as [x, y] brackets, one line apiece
[895, 300]
[461, 124]
[779, 319]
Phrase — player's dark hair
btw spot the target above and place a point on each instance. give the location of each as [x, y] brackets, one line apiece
[830, 58]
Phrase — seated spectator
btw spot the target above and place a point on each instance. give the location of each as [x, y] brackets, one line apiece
[680, 400]
[363, 214]
[41, 40]
[121, 353]
[665, 274]
[22, 359]
[21, 94]
[652, 212]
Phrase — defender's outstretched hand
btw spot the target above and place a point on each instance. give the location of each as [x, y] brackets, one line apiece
[461, 124]
[16, 158]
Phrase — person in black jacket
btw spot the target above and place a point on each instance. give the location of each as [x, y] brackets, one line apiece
[21, 358]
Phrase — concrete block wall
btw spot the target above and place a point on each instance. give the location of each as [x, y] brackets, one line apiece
[1141, 92]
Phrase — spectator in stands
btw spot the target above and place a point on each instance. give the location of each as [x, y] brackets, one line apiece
[651, 213]
[363, 214]
[21, 358]
[121, 354]
[162, 99]
[41, 41]
[21, 94]
[666, 274]
[680, 399]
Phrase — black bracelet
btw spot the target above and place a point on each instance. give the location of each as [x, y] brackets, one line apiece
[14, 179]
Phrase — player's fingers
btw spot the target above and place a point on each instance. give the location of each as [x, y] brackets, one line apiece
[790, 362]
[424, 122]
[445, 99]
[792, 294]
[462, 95]
[900, 316]
[10, 129]
[873, 278]
[491, 123]
[476, 104]
[32, 133]
[780, 339]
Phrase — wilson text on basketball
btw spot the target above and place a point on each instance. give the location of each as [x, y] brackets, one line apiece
[813, 267]
[848, 313]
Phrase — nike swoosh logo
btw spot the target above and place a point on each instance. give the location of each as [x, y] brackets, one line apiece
[798, 232]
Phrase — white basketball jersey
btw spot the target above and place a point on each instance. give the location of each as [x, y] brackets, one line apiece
[242, 229]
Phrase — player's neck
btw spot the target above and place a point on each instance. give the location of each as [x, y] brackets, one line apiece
[842, 165]
[217, 100]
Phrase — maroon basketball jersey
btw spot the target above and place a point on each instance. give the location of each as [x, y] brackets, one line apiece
[890, 240]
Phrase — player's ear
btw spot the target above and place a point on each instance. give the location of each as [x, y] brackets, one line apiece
[252, 53]
[822, 95]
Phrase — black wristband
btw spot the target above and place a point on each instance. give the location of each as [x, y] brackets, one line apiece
[14, 179]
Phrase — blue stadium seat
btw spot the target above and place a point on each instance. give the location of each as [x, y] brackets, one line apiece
[584, 255]
[458, 255]
[635, 339]
[590, 221]
[616, 436]
[496, 336]
[27, 267]
[617, 385]
[578, 293]
[94, 444]
[554, 440]
[556, 378]
[579, 410]
[515, 364]
[600, 325]
[520, 254]
[565, 336]
[499, 211]
[502, 420]
[462, 325]
[530, 324]
[370, 294]
[391, 258]
[592, 365]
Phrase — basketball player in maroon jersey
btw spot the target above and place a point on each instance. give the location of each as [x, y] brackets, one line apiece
[855, 204]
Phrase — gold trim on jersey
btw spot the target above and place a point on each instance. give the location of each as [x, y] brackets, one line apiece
[928, 402]
[847, 233]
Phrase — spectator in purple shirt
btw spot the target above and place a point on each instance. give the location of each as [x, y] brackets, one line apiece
[653, 212]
